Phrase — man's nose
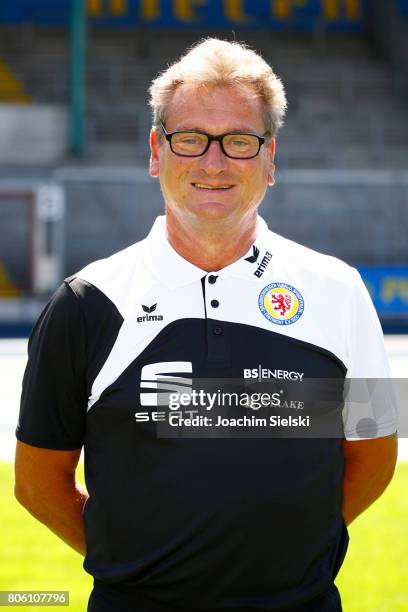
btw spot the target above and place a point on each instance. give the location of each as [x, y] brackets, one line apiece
[213, 161]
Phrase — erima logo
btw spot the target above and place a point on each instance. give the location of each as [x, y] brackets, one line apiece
[149, 317]
[255, 253]
[262, 266]
[161, 378]
[261, 373]
[149, 309]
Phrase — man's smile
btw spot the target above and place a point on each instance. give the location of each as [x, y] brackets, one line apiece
[211, 187]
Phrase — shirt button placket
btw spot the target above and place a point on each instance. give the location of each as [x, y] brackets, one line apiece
[218, 353]
[214, 303]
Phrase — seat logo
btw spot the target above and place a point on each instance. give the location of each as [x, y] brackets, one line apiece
[281, 304]
[164, 378]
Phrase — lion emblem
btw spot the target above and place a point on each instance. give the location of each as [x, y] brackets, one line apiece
[281, 303]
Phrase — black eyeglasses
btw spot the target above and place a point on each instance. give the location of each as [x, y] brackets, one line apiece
[192, 143]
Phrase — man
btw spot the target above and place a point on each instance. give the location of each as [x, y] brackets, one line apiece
[180, 522]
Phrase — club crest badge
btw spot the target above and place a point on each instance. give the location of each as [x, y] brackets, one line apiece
[281, 304]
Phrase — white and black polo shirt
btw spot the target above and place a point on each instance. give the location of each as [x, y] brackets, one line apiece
[256, 520]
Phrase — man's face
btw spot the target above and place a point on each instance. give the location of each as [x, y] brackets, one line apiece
[213, 186]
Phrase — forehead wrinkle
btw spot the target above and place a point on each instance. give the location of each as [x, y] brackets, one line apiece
[205, 123]
[197, 110]
[196, 128]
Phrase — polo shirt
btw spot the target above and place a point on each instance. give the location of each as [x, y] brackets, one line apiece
[205, 521]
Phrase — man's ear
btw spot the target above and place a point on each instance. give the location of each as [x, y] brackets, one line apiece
[154, 153]
[271, 168]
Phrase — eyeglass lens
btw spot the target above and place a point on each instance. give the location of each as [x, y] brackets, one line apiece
[235, 145]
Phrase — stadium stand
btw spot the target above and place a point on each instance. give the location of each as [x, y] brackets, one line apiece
[341, 156]
[342, 110]
[11, 89]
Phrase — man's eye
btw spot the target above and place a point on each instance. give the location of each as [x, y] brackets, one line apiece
[239, 142]
[189, 140]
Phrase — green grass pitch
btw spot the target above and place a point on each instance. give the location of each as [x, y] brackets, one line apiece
[374, 576]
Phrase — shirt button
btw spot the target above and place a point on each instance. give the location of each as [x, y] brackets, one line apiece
[215, 303]
[217, 329]
[212, 279]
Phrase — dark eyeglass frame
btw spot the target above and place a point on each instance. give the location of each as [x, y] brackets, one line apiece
[210, 138]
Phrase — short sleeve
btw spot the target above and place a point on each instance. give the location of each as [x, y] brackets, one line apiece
[54, 395]
[370, 406]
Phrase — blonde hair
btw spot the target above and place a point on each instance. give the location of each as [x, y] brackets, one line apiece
[214, 62]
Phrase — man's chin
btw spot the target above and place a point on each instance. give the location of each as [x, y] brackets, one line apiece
[212, 210]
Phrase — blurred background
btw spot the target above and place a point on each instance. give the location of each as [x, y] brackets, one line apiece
[74, 125]
[74, 187]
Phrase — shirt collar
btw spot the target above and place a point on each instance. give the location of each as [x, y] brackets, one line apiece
[174, 271]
